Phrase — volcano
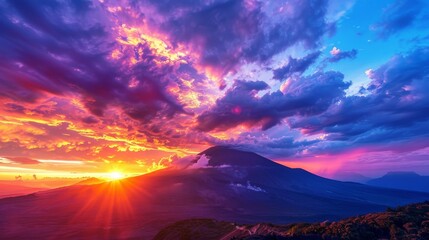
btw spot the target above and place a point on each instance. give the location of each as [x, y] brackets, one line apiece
[220, 183]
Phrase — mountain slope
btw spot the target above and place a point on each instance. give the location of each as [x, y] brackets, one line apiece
[407, 222]
[221, 183]
[402, 180]
[350, 177]
[10, 190]
[89, 181]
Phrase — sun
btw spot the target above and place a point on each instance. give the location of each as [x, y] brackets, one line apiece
[115, 175]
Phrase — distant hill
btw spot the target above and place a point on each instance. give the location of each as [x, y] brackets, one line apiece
[402, 180]
[350, 177]
[16, 189]
[408, 222]
[89, 181]
[220, 183]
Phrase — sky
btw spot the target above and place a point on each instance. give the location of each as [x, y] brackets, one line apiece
[332, 86]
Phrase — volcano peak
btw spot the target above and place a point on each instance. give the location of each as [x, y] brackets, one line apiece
[227, 155]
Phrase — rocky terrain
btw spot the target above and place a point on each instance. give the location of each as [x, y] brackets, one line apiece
[407, 222]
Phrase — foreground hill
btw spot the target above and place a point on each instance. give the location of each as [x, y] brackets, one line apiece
[220, 183]
[402, 180]
[408, 222]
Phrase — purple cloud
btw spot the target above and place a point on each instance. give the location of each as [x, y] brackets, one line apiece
[295, 66]
[391, 114]
[76, 49]
[400, 15]
[90, 120]
[229, 33]
[304, 96]
[337, 54]
[395, 106]
[45, 52]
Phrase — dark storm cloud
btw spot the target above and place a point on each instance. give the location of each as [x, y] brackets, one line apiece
[90, 120]
[14, 108]
[306, 24]
[305, 96]
[400, 15]
[396, 105]
[228, 33]
[295, 65]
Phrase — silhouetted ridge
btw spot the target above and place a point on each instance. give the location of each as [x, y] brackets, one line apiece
[408, 174]
[224, 155]
[89, 181]
[402, 180]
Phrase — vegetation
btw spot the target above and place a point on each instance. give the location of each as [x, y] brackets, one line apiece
[407, 222]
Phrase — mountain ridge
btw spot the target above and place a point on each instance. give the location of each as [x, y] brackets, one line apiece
[402, 180]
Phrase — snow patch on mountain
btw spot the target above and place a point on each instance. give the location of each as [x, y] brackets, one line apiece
[248, 186]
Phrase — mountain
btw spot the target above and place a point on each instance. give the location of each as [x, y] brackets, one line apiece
[220, 183]
[350, 177]
[402, 180]
[89, 181]
[407, 222]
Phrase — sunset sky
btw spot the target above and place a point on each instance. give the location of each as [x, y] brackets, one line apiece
[91, 87]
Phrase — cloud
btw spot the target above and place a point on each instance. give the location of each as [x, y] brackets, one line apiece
[274, 143]
[248, 186]
[390, 114]
[110, 80]
[192, 162]
[228, 33]
[400, 15]
[303, 96]
[90, 120]
[335, 51]
[201, 162]
[130, 65]
[337, 54]
[75, 52]
[102, 71]
[394, 107]
[23, 160]
[295, 66]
